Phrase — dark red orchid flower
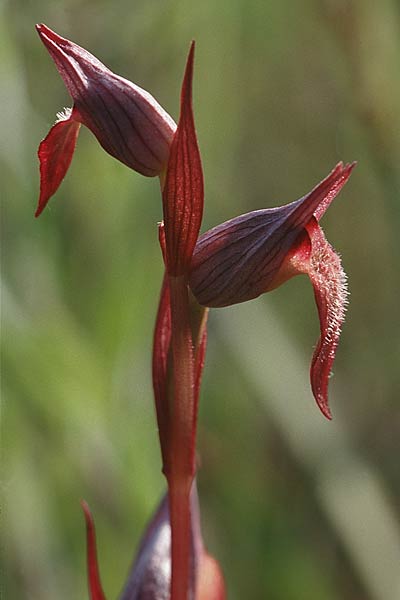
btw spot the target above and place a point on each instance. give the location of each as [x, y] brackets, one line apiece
[150, 575]
[127, 121]
[256, 252]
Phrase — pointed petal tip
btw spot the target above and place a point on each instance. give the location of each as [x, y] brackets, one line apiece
[186, 93]
[324, 407]
[341, 166]
[41, 28]
[39, 210]
[48, 36]
[188, 76]
[44, 31]
[343, 171]
[348, 167]
[319, 383]
[330, 187]
[338, 167]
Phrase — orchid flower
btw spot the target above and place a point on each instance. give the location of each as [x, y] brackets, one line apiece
[127, 121]
[256, 252]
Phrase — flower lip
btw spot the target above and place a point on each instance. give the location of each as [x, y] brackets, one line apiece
[55, 154]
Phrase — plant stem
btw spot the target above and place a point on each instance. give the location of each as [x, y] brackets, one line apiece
[181, 543]
[181, 464]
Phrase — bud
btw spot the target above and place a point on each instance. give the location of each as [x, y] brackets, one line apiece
[256, 252]
[150, 575]
[127, 121]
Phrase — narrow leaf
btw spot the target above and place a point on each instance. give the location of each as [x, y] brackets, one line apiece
[95, 588]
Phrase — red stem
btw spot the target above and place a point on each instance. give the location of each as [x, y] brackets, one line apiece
[181, 462]
[182, 451]
[180, 519]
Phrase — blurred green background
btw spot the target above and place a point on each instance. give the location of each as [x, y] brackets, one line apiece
[293, 507]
